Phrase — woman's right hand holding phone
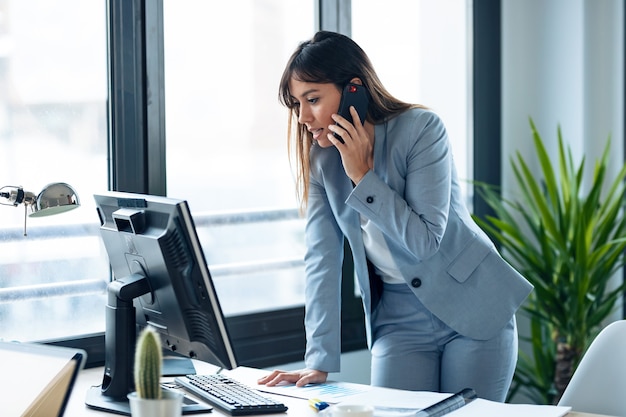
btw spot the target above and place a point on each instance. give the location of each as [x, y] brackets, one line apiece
[357, 149]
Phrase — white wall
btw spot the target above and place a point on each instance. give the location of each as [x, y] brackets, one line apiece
[562, 63]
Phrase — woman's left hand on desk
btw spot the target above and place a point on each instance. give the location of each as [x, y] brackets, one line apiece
[301, 377]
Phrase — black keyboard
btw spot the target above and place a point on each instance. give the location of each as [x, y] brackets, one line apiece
[229, 395]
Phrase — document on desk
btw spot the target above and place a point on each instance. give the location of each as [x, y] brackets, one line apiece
[399, 403]
[330, 392]
[389, 402]
[485, 408]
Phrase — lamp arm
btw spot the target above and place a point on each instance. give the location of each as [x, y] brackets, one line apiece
[14, 196]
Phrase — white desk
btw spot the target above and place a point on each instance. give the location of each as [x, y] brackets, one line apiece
[297, 407]
[91, 377]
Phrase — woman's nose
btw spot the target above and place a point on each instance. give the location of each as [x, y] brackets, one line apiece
[304, 115]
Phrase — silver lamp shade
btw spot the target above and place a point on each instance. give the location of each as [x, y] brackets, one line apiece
[55, 198]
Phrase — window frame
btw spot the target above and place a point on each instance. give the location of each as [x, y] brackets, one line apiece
[486, 97]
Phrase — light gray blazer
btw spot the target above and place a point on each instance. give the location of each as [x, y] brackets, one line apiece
[413, 196]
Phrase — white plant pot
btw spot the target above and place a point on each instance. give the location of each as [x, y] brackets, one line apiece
[170, 405]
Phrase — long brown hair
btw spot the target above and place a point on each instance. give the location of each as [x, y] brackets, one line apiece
[333, 58]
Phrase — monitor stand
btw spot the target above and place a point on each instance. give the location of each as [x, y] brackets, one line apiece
[97, 401]
[120, 337]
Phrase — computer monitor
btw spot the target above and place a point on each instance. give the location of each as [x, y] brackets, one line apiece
[161, 279]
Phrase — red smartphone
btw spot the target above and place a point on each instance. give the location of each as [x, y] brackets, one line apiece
[353, 95]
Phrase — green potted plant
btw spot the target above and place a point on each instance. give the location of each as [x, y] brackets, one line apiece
[569, 244]
[149, 399]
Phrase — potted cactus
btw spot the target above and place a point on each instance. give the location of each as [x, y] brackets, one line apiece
[149, 399]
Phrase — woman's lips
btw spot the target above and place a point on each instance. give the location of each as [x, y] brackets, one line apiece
[316, 133]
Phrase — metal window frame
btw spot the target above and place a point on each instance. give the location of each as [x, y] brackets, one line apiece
[335, 16]
[487, 91]
[136, 96]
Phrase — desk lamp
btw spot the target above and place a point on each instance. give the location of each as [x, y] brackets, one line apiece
[55, 198]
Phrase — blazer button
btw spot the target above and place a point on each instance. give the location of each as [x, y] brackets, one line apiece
[369, 199]
[416, 282]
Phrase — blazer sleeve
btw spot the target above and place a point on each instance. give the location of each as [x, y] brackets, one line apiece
[409, 200]
[323, 263]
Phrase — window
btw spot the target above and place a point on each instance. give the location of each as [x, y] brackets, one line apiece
[226, 143]
[53, 91]
[226, 130]
[421, 51]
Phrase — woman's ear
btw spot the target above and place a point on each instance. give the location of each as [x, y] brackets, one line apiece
[356, 80]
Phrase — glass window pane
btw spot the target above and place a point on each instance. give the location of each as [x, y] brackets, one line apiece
[53, 91]
[421, 50]
[226, 142]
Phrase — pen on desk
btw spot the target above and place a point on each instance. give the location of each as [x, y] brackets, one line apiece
[449, 404]
[319, 405]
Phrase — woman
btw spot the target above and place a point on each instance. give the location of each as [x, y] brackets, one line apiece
[439, 301]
